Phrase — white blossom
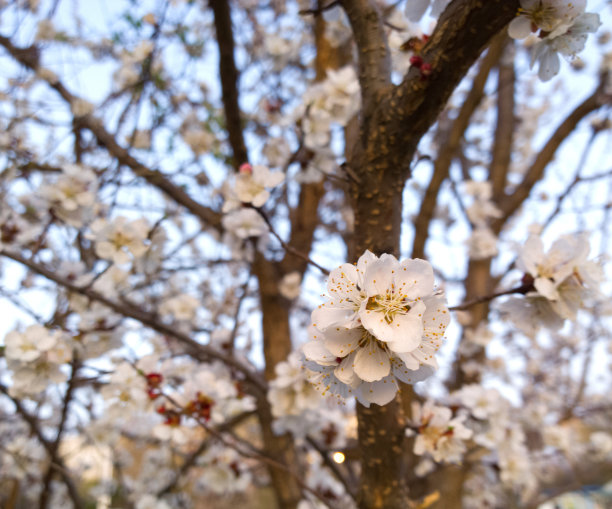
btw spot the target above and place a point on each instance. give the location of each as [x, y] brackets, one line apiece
[290, 392]
[73, 195]
[439, 433]
[482, 243]
[34, 343]
[245, 223]
[118, 239]
[150, 502]
[252, 184]
[277, 151]
[546, 15]
[383, 322]
[126, 389]
[291, 285]
[563, 276]
[481, 402]
[564, 28]
[180, 307]
[223, 471]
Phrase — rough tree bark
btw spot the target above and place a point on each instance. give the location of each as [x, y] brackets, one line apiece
[394, 118]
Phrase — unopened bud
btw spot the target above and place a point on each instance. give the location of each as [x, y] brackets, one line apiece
[426, 69]
[245, 168]
[416, 61]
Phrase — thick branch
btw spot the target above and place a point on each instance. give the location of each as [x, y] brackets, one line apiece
[463, 31]
[547, 153]
[374, 59]
[381, 444]
[504, 130]
[449, 143]
[229, 79]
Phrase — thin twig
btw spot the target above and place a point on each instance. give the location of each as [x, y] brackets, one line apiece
[289, 248]
[46, 491]
[192, 458]
[523, 289]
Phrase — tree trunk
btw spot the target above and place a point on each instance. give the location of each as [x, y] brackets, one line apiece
[377, 199]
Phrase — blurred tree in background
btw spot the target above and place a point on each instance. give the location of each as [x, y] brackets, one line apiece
[179, 179]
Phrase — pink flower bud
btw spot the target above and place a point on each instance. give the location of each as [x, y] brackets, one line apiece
[245, 168]
[416, 61]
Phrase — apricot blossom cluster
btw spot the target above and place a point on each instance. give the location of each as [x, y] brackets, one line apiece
[561, 26]
[384, 322]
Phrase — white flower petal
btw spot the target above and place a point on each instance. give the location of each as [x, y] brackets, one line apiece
[371, 362]
[415, 278]
[411, 376]
[402, 334]
[343, 282]
[364, 261]
[548, 59]
[329, 315]
[260, 198]
[316, 351]
[341, 341]
[436, 316]
[532, 254]
[378, 276]
[380, 392]
[519, 27]
[345, 371]
[546, 288]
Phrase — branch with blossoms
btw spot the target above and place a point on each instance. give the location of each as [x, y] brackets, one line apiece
[191, 460]
[199, 409]
[248, 450]
[129, 310]
[107, 140]
[463, 31]
[159, 150]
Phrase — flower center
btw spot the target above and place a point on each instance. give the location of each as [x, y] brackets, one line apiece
[543, 15]
[389, 305]
[545, 272]
[367, 337]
